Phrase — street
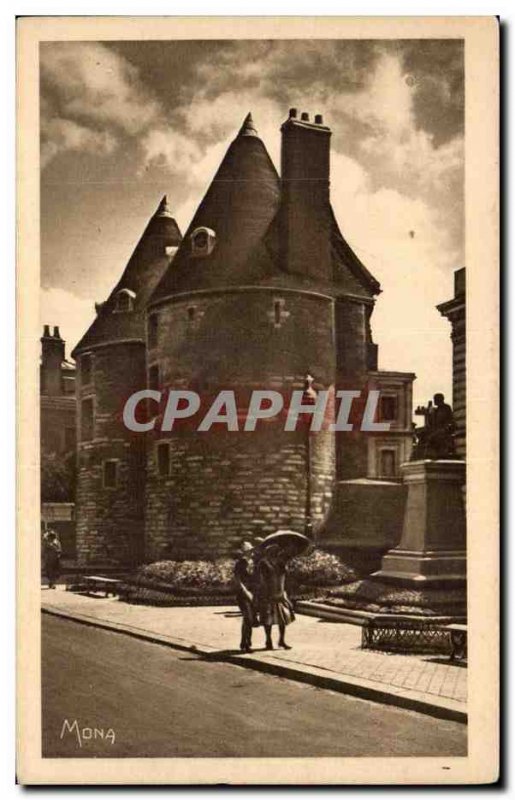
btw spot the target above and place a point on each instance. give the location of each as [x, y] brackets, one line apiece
[110, 695]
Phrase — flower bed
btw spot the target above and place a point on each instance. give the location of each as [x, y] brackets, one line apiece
[189, 583]
[368, 595]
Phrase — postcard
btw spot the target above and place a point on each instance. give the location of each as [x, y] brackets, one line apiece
[258, 390]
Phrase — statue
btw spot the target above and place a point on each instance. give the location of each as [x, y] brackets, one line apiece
[436, 438]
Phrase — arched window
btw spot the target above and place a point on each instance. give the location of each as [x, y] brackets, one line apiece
[124, 300]
[202, 242]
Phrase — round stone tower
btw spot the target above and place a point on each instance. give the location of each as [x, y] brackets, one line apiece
[249, 302]
[111, 361]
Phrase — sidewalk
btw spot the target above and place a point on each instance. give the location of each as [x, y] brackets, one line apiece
[323, 653]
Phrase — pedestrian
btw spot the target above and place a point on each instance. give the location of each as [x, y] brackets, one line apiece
[52, 551]
[244, 579]
[275, 607]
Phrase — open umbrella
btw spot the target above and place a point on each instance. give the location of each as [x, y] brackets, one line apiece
[295, 542]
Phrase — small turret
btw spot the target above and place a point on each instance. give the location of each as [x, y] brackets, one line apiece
[112, 366]
[146, 266]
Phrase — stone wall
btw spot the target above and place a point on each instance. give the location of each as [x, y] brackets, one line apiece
[110, 519]
[351, 326]
[223, 485]
[455, 311]
[58, 424]
[459, 383]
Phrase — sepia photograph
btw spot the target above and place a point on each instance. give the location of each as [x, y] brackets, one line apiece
[252, 521]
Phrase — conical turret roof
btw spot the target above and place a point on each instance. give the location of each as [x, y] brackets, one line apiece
[238, 207]
[148, 263]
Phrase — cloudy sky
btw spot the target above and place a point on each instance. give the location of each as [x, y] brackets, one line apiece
[124, 123]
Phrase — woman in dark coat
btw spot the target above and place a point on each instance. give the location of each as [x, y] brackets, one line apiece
[52, 557]
[275, 607]
[244, 580]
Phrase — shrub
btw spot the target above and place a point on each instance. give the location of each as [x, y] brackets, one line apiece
[189, 574]
[211, 582]
[318, 568]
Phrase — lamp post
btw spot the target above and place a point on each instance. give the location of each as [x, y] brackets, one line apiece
[309, 397]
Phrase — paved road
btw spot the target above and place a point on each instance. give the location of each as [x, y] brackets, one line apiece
[160, 702]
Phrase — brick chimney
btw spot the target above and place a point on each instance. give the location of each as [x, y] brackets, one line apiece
[306, 215]
[52, 356]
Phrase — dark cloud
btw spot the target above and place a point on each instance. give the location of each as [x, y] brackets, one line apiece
[436, 67]
[104, 165]
[170, 68]
[281, 70]
[288, 71]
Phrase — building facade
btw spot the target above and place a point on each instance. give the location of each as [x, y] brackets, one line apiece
[58, 433]
[388, 450]
[261, 291]
[455, 311]
[57, 395]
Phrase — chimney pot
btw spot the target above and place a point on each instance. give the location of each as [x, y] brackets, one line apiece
[46, 330]
[56, 332]
[319, 120]
[305, 116]
[293, 113]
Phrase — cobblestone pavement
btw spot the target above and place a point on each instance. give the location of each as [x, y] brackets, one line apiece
[330, 646]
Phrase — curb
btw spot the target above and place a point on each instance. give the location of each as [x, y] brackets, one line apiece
[352, 616]
[310, 608]
[315, 676]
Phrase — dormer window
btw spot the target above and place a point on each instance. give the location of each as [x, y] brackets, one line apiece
[202, 242]
[124, 300]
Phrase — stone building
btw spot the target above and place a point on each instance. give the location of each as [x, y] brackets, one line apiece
[387, 451]
[455, 311]
[58, 432]
[57, 395]
[262, 290]
[111, 359]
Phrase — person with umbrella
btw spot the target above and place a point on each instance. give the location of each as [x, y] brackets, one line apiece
[275, 607]
[244, 580]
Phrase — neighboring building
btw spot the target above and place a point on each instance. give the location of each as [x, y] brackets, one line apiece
[455, 311]
[387, 451]
[58, 432]
[262, 290]
[57, 395]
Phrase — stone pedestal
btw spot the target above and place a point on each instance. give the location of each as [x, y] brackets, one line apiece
[432, 549]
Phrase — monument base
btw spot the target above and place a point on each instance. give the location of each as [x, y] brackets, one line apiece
[432, 549]
[431, 568]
